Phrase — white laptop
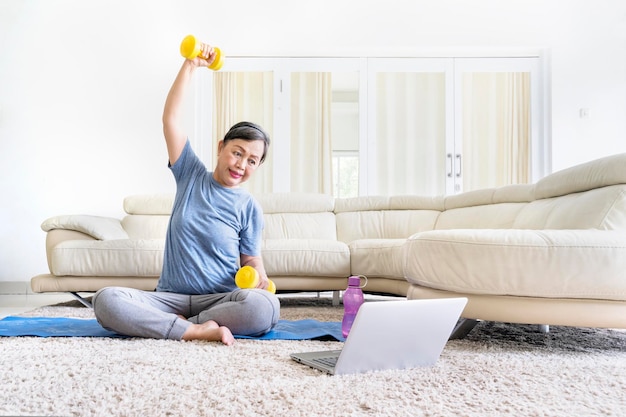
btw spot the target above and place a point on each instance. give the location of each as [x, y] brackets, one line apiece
[391, 335]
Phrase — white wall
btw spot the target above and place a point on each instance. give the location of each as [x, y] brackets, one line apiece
[82, 83]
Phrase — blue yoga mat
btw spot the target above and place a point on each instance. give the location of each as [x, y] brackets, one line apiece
[72, 327]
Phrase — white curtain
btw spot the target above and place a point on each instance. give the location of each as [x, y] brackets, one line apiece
[410, 148]
[311, 150]
[496, 129]
[248, 96]
[245, 96]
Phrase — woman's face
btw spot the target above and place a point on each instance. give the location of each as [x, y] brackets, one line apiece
[237, 159]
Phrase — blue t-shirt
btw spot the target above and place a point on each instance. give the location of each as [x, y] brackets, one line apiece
[210, 226]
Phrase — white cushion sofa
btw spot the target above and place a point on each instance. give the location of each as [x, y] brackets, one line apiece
[549, 253]
[553, 252]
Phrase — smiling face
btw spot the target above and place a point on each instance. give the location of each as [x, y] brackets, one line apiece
[237, 159]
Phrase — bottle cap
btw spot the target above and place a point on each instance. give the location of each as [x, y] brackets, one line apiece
[354, 281]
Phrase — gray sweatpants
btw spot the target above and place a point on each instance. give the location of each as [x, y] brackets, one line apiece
[151, 314]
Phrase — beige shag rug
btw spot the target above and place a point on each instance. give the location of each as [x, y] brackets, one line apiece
[499, 369]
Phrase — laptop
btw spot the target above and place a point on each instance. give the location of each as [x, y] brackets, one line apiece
[391, 335]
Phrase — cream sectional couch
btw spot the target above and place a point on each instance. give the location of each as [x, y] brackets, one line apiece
[553, 252]
[549, 253]
[311, 242]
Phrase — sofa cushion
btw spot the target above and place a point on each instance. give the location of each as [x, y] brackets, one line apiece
[298, 216]
[377, 203]
[382, 258]
[319, 225]
[154, 204]
[594, 174]
[102, 228]
[306, 257]
[492, 216]
[517, 193]
[601, 208]
[106, 258]
[533, 263]
[379, 217]
[295, 202]
[146, 226]
[384, 224]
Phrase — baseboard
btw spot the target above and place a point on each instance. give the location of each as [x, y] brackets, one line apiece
[15, 288]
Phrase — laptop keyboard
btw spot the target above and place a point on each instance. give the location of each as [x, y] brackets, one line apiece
[328, 361]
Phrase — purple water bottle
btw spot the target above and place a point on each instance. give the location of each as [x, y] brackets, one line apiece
[352, 300]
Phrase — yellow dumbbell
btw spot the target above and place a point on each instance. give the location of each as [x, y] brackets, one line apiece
[190, 48]
[248, 277]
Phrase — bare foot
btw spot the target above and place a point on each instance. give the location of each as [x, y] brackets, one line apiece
[210, 331]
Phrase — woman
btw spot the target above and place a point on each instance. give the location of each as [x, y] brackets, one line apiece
[215, 228]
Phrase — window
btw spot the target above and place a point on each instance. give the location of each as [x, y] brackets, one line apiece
[382, 126]
[345, 174]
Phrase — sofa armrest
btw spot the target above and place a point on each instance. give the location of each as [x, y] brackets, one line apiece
[101, 228]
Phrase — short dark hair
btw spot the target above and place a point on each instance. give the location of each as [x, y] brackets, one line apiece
[249, 131]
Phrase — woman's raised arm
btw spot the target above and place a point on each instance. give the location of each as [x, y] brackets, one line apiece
[175, 137]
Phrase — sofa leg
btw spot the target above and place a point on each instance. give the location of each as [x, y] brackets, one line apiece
[82, 300]
[462, 328]
[336, 301]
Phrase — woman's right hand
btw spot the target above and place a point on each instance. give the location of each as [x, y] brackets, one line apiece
[206, 56]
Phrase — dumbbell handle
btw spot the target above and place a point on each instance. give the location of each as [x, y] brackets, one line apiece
[191, 47]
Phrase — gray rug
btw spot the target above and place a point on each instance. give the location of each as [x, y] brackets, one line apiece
[499, 369]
